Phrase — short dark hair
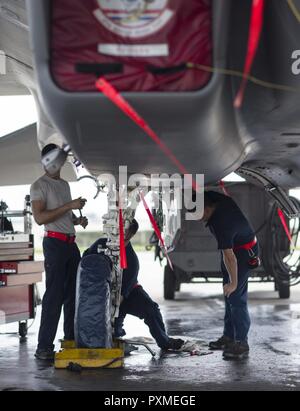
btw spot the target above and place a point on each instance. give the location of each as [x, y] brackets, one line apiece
[211, 198]
[134, 226]
[48, 148]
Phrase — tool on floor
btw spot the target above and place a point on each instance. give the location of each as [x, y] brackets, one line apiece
[200, 353]
[142, 343]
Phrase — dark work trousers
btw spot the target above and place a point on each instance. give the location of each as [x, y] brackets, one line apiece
[139, 304]
[61, 263]
[237, 320]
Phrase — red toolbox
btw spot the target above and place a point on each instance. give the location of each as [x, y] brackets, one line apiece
[19, 273]
[17, 292]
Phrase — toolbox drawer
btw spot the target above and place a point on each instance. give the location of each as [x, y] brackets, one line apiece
[16, 303]
[10, 280]
[22, 267]
[16, 254]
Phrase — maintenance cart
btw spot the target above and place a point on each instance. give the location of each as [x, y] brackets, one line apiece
[19, 273]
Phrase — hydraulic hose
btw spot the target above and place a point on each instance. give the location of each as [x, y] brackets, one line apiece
[280, 258]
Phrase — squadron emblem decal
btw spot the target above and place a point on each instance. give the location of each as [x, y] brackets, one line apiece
[133, 18]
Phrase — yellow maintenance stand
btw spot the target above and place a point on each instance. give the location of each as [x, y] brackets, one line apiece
[73, 358]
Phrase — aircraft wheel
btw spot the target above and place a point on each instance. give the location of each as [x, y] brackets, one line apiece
[23, 329]
[283, 290]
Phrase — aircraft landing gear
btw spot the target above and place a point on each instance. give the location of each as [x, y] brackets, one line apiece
[112, 233]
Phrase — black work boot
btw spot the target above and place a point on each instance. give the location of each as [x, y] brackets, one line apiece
[221, 344]
[174, 344]
[45, 354]
[236, 351]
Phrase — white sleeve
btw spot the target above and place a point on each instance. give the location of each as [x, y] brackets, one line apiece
[36, 192]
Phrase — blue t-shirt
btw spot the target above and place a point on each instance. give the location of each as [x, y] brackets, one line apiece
[228, 224]
[130, 274]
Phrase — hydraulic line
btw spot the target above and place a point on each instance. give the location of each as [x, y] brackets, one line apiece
[280, 258]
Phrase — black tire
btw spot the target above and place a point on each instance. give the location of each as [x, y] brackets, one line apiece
[23, 328]
[283, 290]
[169, 284]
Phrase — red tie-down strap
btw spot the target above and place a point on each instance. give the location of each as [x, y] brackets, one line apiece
[285, 226]
[123, 258]
[110, 92]
[156, 229]
[256, 25]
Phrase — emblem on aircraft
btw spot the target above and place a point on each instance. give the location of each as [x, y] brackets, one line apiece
[133, 18]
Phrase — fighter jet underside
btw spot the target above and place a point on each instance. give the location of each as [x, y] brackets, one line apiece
[198, 123]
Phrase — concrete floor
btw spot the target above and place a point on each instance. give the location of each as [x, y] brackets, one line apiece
[197, 312]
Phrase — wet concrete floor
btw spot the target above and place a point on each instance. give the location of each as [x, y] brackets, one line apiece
[197, 312]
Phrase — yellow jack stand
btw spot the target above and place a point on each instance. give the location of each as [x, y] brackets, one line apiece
[74, 359]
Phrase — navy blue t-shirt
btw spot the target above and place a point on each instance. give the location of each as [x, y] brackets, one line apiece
[130, 274]
[228, 224]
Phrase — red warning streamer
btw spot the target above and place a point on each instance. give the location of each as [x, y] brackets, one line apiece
[256, 24]
[156, 229]
[110, 92]
[123, 258]
[285, 226]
